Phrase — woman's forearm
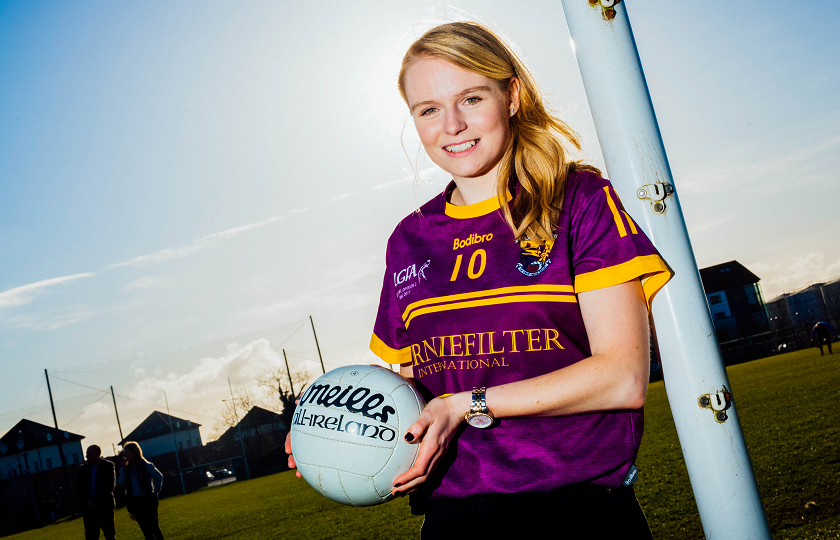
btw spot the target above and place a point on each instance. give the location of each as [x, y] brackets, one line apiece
[600, 382]
[615, 377]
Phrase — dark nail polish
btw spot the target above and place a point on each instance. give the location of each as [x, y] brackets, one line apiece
[409, 437]
[397, 485]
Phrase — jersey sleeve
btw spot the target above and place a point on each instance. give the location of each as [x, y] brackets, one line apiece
[390, 337]
[608, 247]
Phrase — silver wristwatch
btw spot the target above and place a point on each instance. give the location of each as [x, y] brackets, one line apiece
[479, 415]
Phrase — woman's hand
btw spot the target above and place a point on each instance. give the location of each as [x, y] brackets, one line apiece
[433, 431]
[288, 448]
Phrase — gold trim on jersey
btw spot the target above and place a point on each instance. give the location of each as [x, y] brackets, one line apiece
[475, 210]
[489, 292]
[622, 231]
[652, 269]
[630, 222]
[386, 353]
[490, 297]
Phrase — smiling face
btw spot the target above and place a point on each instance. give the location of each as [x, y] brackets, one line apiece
[462, 118]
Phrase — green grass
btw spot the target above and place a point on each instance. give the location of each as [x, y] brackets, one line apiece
[277, 506]
[788, 409]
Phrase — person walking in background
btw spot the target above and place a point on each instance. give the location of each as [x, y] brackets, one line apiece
[823, 332]
[95, 485]
[142, 482]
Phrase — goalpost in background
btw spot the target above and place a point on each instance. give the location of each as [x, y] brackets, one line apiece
[699, 393]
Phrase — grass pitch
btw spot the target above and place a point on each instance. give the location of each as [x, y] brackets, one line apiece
[787, 406]
[788, 410]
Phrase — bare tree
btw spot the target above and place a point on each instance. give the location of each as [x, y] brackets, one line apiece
[234, 410]
[277, 380]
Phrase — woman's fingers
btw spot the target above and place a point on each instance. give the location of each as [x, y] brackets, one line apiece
[415, 431]
[288, 444]
[427, 458]
[288, 448]
[434, 430]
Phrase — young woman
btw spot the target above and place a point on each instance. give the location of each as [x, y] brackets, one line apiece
[528, 324]
[142, 482]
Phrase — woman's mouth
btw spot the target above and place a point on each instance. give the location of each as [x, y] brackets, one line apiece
[462, 147]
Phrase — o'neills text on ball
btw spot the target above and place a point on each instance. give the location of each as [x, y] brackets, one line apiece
[333, 423]
[359, 401]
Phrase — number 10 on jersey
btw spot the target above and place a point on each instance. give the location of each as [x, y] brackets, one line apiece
[478, 258]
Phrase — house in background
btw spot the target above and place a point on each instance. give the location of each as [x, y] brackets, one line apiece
[155, 435]
[174, 446]
[30, 447]
[735, 301]
[263, 434]
[33, 486]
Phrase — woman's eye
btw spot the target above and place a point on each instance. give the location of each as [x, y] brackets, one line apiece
[472, 100]
[430, 110]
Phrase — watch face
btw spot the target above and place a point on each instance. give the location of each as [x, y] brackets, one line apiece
[480, 420]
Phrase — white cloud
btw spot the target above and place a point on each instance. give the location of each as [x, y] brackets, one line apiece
[345, 195]
[38, 322]
[833, 269]
[197, 245]
[142, 283]
[298, 210]
[707, 226]
[774, 172]
[25, 294]
[209, 377]
[794, 273]
[317, 296]
[96, 411]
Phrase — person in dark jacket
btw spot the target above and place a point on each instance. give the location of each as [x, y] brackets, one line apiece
[822, 332]
[95, 485]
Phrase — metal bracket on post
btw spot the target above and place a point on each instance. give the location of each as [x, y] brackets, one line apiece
[607, 7]
[718, 402]
[656, 193]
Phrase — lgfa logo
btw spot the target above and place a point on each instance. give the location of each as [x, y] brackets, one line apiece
[411, 272]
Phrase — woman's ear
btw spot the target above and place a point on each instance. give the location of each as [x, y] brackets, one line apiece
[513, 95]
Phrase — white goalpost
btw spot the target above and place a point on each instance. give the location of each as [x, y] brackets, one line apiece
[699, 393]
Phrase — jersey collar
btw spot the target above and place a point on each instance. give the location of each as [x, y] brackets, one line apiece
[474, 210]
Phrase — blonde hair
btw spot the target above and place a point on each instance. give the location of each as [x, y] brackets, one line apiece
[536, 152]
[136, 450]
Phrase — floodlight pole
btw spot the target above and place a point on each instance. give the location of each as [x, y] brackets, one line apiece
[288, 372]
[69, 500]
[323, 369]
[118, 418]
[174, 442]
[695, 377]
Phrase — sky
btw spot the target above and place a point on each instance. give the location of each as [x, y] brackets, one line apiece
[182, 184]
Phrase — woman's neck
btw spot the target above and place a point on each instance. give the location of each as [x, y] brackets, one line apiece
[473, 190]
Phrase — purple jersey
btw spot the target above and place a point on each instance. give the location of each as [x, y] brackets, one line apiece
[469, 306]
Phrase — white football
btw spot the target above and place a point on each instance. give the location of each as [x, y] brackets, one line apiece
[347, 433]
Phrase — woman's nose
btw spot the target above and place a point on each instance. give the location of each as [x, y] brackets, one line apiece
[454, 122]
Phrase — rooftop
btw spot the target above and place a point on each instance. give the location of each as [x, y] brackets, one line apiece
[157, 424]
[728, 275]
[33, 435]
